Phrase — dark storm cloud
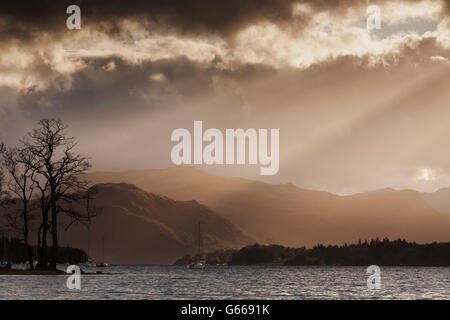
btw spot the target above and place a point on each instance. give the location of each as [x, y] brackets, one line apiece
[25, 19]
[129, 88]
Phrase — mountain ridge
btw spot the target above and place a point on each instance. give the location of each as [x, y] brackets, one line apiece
[141, 227]
[293, 216]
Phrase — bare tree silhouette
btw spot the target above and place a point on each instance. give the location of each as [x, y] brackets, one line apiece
[20, 185]
[55, 161]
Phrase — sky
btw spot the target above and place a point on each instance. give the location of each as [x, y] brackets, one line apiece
[357, 109]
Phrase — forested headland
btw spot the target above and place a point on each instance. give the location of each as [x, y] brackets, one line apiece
[14, 250]
[379, 252]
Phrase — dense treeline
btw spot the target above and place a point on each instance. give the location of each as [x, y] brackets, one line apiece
[14, 251]
[383, 253]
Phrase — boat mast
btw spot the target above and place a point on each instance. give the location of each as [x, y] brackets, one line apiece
[89, 242]
[103, 249]
[199, 240]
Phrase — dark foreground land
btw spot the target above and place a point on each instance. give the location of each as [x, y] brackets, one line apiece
[4, 271]
[14, 251]
[21, 272]
[382, 253]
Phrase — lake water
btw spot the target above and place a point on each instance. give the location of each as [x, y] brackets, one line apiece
[235, 282]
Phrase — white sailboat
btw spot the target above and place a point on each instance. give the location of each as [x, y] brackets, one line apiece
[200, 264]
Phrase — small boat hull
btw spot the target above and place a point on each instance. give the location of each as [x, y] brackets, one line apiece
[101, 265]
[197, 265]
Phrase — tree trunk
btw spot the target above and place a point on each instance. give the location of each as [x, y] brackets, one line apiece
[42, 245]
[43, 259]
[54, 232]
[25, 235]
[54, 250]
[38, 246]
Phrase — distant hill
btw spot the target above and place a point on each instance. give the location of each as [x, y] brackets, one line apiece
[292, 216]
[144, 228]
[439, 200]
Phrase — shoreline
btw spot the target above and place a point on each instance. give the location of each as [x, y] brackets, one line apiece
[18, 272]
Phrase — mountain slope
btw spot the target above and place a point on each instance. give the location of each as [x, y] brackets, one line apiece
[439, 200]
[140, 227]
[288, 215]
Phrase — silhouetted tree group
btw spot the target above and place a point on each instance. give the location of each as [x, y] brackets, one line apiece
[41, 179]
[16, 252]
[382, 253]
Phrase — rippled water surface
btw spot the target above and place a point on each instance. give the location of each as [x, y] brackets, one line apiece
[234, 282]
